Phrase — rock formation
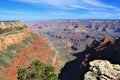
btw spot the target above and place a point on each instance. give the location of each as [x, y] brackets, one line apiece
[12, 32]
[19, 46]
[103, 70]
[99, 61]
[75, 35]
[11, 24]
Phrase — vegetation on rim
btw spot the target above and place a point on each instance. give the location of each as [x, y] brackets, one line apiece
[10, 29]
[37, 71]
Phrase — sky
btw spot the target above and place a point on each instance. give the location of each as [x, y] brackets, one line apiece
[28, 10]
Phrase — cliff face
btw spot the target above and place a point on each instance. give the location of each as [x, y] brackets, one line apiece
[39, 49]
[18, 47]
[12, 32]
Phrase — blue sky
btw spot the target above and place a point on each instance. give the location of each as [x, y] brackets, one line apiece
[59, 9]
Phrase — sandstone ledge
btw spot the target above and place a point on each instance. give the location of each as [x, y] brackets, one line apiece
[12, 33]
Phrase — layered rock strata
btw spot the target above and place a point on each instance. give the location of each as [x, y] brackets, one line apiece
[12, 32]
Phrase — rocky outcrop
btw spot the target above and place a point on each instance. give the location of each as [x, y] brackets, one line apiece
[101, 58]
[11, 24]
[103, 70]
[12, 32]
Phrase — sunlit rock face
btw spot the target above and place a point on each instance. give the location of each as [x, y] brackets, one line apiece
[12, 32]
[103, 70]
[19, 46]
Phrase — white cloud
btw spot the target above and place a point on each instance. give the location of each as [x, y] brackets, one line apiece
[60, 3]
[97, 3]
[83, 4]
[94, 8]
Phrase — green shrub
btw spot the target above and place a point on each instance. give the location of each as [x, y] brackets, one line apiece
[10, 29]
[1, 31]
[37, 71]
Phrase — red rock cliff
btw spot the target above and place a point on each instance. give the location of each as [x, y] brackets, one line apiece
[39, 48]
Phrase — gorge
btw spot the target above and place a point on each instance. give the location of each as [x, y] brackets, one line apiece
[75, 48]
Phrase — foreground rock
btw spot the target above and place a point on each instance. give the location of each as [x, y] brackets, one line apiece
[103, 70]
[96, 62]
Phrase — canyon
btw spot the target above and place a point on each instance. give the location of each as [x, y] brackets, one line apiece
[71, 37]
[75, 48]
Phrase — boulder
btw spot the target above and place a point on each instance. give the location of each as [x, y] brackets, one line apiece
[103, 70]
